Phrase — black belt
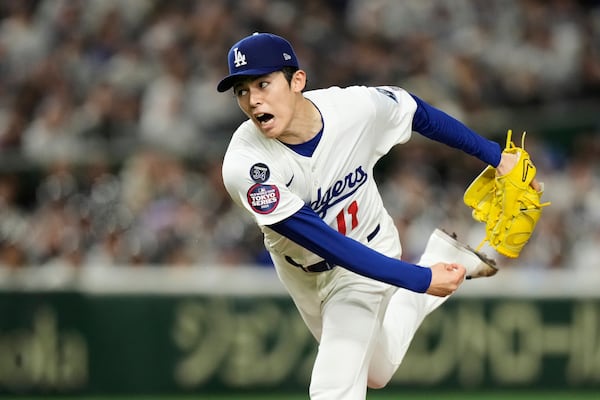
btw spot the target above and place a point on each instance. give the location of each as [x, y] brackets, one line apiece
[325, 265]
[321, 266]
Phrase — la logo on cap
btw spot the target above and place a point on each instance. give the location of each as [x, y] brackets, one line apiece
[239, 58]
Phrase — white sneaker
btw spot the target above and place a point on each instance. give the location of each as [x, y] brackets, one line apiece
[443, 247]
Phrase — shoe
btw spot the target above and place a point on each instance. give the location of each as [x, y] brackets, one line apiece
[444, 247]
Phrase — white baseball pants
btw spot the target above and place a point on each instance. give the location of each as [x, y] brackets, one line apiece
[364, 327]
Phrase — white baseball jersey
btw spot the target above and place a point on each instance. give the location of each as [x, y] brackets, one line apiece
[272, 182]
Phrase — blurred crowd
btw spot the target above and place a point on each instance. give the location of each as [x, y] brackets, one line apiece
[112, 132]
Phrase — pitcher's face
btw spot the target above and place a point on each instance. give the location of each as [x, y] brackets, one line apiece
[270, 101]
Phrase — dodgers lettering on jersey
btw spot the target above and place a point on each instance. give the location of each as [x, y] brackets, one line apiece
[340, 190]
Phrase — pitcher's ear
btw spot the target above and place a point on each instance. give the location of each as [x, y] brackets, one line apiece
[298, 82]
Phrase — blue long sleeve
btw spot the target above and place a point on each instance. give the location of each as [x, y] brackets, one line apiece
[311, 232]
[439, 126]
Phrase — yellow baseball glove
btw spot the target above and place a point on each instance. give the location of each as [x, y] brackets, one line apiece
[508, 204]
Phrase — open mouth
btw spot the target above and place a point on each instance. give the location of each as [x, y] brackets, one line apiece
[263, 118]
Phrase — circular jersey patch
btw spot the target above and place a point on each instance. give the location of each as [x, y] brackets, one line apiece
[259, 172]
[263, 198]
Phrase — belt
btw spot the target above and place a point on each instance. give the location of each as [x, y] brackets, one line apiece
[321, 266]
[325, 265]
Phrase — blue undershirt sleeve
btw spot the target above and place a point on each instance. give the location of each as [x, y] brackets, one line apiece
[311, 232]
[439, 126]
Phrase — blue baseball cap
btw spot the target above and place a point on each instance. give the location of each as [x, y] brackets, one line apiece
[257, 54]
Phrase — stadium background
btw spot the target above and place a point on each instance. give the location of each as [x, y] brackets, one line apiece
[125, 269]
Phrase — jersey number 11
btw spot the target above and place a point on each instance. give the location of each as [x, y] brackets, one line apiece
[341, 217]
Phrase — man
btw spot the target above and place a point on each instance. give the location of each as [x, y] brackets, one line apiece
[302, 166]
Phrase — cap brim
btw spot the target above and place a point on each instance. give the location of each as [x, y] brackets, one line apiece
[228, 82]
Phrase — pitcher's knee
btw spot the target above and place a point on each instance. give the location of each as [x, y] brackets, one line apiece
[377, 382]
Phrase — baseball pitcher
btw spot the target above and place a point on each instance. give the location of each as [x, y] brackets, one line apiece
[302, 166]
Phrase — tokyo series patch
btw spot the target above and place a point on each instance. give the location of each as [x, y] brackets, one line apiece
[263, 199]
[259, 172]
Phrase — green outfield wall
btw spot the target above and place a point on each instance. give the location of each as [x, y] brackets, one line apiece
[76, 338]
